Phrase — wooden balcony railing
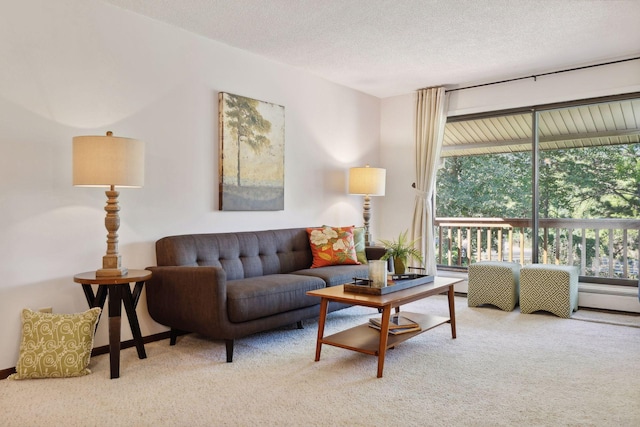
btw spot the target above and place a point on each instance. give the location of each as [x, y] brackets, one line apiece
[601, 248]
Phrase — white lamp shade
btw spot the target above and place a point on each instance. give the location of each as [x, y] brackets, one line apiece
[100, 161]
[368, 181]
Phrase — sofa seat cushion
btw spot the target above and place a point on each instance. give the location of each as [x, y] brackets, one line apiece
[337, 274]
[262, 296]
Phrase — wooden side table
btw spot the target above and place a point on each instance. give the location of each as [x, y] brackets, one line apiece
[119, 291]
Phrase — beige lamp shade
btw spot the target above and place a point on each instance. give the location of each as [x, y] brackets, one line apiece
[100, 161]
[367, 180]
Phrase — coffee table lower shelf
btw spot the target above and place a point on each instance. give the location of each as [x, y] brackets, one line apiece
[364, 339]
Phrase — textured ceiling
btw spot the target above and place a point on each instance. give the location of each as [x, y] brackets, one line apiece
[393, 47]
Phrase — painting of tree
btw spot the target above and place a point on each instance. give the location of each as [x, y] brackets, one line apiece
[251, 162]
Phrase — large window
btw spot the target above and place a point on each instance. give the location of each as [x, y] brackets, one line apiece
[555, 184]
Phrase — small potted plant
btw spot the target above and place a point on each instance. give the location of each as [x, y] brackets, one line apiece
[401, 250]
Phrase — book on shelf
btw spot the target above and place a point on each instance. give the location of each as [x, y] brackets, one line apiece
[396, 321]
[398, 324]
[397, 331]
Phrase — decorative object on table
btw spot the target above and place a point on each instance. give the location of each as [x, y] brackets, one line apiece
[402, 250]
[109, 161]
[378, 273]
[251, 154]
[397, 331]
[395, 283]
[369, 182]
[332, 246]
[398, 324]
[55, 345]
[396, 321]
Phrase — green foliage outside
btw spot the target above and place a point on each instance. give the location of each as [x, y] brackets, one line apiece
[591, 182]
[487, 186]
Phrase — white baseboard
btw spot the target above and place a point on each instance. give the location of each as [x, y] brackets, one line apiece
[590, 295]
[608, 297]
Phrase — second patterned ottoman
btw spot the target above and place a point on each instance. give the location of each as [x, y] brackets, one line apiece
[552, 288]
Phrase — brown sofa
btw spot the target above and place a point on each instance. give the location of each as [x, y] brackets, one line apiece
[229, 285]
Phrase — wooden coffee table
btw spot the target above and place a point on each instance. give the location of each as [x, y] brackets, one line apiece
[365, 339]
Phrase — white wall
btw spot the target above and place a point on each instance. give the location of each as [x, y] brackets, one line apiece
[80, 67]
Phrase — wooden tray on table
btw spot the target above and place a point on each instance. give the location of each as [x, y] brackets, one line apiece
[395, 282]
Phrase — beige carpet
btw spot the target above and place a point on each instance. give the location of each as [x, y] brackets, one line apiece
[504, 369]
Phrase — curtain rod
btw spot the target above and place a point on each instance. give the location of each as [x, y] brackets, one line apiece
[535, 76]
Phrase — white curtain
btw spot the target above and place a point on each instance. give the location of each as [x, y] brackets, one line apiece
[431, 117]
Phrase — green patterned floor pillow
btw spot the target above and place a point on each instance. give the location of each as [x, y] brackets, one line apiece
[55, 345]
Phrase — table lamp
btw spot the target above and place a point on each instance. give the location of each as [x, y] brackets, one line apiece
[109, 161]
[369, 182]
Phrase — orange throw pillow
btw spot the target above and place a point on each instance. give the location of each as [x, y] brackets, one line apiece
[332, 246]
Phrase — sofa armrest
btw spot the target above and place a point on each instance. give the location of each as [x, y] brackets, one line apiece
[190, 299]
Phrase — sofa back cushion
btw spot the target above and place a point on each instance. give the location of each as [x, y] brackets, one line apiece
[242, 254]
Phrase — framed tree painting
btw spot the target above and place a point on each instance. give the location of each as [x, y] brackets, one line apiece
[251, 163]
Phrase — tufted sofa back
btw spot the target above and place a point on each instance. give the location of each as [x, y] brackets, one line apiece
[242, 254]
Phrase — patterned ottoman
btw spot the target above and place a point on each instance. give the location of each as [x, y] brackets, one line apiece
[495, 283]
[552, 288]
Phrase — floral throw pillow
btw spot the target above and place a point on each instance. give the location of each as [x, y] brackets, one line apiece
[332, 246]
